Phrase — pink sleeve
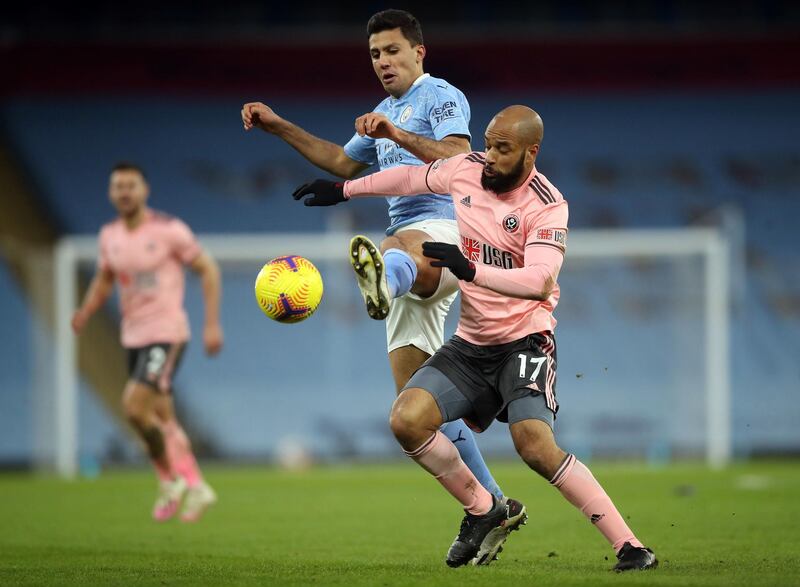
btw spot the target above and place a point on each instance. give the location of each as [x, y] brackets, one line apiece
[545, 246]
[184, 244]
[406, 180]
[103, 264]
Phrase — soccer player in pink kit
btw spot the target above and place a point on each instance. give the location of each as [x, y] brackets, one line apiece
[145, 251]
[501, 363]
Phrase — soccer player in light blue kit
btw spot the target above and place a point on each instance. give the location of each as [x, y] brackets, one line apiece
[423, 119]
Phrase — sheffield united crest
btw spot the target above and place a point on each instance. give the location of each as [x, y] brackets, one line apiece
[511, 223]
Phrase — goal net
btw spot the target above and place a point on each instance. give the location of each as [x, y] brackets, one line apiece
[643, 357]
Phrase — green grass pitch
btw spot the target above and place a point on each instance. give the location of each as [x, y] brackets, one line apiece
[391, 525]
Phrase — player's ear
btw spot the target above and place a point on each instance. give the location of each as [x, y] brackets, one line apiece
[421, 51]
[532, 151]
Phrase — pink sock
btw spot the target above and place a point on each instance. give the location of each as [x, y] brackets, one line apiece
[578, 485]
[180, 454]
[162, 472]
[439, 457]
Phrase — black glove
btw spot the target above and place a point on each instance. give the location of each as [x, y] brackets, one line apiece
[449, 256]
[323, 193]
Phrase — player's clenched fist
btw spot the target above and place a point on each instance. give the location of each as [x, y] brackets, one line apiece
[375, 125]
[212, 338]
[260, 115]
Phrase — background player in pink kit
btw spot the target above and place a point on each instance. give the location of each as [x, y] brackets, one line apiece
[145, 251]
[501, 363]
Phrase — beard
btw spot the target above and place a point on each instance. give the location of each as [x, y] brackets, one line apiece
[129, 209]
[504, 182]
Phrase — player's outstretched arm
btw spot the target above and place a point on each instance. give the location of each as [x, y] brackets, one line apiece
[100, 289]
[407, 180]
[378, 126]
[327, 156]
[207, 269]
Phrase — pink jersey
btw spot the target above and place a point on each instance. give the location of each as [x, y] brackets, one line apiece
[516, 241]
[148, 265]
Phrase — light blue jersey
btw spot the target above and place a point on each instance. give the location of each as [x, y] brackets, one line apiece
[431, 108]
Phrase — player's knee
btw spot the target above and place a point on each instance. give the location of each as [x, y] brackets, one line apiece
[410, 416]
[401, 420]
[173, 430]
[537, 447]
[392, 242]
[533, 458]
[136, 409]
[427, 280]
[135, 414]
[412, 248]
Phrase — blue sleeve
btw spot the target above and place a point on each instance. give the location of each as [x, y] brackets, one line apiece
[449, 113]
[361, 149]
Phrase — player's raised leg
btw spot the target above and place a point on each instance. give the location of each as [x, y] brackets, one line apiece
[139, 403]
[536, 445]
[416, 421]
[393, 270]
[370, 269]
[406, 260]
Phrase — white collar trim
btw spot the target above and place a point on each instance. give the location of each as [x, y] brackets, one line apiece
[420, 78]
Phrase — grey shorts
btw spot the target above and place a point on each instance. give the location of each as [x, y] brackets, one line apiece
[510, 382]
[154, 365]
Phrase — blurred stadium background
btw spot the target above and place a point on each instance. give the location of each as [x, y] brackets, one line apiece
[658, 115]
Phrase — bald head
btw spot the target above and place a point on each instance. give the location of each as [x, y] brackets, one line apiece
[521, 122]
[512, 143]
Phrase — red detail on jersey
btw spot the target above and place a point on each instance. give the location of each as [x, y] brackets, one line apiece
[544, 234]
[471, 248]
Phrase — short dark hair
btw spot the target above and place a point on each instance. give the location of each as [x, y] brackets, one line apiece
[128, 166]
[392, 18]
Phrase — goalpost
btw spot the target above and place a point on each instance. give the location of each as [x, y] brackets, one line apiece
[709, 245]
